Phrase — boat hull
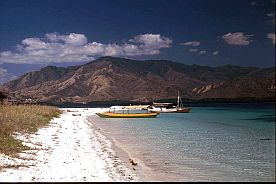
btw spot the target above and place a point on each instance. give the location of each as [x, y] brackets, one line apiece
[126, 115]
[184, 110]
[181, 110]
[163, 110]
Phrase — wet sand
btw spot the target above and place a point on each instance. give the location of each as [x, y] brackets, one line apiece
[143, 172]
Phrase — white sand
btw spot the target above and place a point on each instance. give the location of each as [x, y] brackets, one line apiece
[68, 149]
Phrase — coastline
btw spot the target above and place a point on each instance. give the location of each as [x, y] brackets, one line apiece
[80, 146]
[68, 149]
[139, 140]
[192, 102]
[143, 172]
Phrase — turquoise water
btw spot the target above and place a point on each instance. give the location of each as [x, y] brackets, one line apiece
[221, 142]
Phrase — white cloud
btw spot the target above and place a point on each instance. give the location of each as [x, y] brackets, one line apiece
[238, 38]
[73, 47]
[253, 3]
[272, 37]
[193, 50]
[152, 40]
[2, 71]
[71, 39]
[5, 76]
[270, 14]
[202, 52]
[215, 53]
[271, 17]
[191, 43]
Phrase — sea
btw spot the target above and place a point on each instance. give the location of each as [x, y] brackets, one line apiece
[214, 142]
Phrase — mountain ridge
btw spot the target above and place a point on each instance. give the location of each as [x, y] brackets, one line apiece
[111, 78]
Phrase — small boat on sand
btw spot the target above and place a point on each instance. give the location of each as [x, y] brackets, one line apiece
[125, 112]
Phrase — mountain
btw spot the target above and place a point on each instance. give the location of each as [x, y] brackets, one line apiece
[10, 71]
[110, 78]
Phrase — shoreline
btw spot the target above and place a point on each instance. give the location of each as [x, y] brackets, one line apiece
[67, 149]
[105, 104]
[143, 172]
[79, 147]
[123, 136]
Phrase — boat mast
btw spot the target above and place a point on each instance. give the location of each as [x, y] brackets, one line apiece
[177, 107]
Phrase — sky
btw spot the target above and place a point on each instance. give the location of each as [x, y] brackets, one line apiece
[35, 33]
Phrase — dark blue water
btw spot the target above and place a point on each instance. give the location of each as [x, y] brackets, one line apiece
[215, 142]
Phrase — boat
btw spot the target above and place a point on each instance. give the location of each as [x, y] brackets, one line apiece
[127, 115]
[125, 112]
[137, 107]
[169, 107]
[180, 108]
[162, 107]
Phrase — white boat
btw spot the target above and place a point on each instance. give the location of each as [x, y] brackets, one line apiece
[162, 107]
[168, 107]
[180, 108]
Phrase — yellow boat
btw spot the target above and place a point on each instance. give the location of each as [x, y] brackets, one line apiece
[125, 113]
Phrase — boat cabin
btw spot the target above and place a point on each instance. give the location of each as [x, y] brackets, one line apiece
[163, 105]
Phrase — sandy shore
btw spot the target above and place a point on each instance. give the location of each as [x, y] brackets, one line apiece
[68, 149]
[143, 172]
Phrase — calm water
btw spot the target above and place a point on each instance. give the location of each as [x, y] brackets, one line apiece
[222, 142]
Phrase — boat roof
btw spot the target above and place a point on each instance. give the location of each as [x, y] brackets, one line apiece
[130, 107]
[137, 106]
[162, 104]
[117, 107]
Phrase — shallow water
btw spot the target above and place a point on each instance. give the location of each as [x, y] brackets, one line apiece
[215, 142]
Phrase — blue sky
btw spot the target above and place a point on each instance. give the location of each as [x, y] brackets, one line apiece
[204, 32]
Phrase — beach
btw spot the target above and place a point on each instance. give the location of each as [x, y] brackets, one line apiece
[225, 142]
[67, 149]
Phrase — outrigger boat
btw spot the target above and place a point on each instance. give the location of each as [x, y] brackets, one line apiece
[124, 112]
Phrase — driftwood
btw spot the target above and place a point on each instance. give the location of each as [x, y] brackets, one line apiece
[132, 162]
[266, 139]
[71, 110]
[76, 114]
